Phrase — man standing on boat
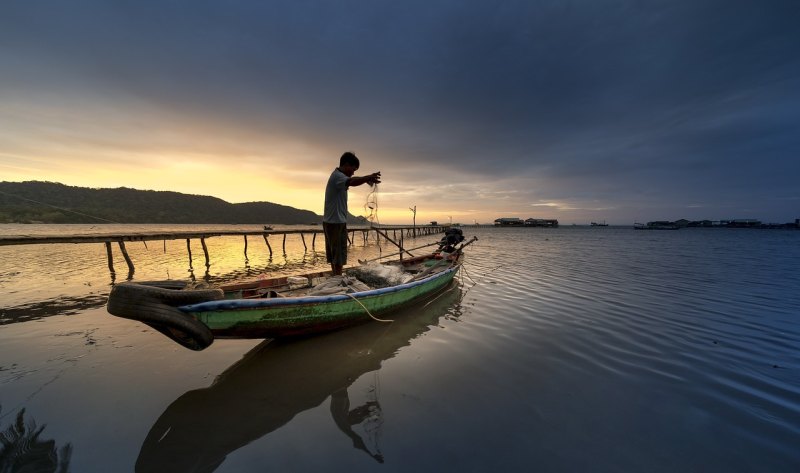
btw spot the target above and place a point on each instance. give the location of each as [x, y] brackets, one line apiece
[334, 222]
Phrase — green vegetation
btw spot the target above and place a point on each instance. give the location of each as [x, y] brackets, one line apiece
[51, 202]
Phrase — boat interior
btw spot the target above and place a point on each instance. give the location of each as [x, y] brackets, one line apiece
[412, 269]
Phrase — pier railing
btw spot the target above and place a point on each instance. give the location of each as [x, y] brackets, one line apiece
[367, 233]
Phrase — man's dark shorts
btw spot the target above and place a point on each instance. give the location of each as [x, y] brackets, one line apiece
[335, 242]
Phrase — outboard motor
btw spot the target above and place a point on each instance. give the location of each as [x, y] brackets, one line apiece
[452, 237]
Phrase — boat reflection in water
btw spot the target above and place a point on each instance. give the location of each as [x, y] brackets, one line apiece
[276, 381]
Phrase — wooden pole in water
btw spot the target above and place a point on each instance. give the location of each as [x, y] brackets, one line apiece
[266, 240]
[205, 251]
[284, 243]
[110, 257]
[245, 247]
[131, 269]
[313, 241]
[189, 249]
[414, 211]
[401, 246]
[304, 242]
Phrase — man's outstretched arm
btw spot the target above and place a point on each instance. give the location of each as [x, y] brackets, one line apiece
[374, 178]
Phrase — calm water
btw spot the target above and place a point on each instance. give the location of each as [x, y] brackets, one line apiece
[570, 349]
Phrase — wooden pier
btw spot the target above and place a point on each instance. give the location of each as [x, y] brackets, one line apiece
[398, 233]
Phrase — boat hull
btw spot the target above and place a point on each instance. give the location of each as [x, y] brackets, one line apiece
[302, 316]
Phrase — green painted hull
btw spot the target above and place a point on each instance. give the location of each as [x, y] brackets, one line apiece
[284, 317]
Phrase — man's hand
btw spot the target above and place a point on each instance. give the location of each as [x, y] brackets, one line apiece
[374, 178]
[371, 179]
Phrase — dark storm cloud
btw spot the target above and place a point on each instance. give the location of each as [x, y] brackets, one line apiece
[696, 97]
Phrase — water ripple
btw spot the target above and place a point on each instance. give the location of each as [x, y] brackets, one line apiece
[718, 320]
[674, 351]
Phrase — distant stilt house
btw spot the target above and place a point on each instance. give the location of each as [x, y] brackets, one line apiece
[681, 223]
[531, 222]
[509, 222]
[702, 223]
[540, 222]
[744, 223]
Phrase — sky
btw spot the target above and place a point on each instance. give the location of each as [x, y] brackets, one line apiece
[594, 110]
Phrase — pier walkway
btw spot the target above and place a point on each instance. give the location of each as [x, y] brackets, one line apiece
[398, 233]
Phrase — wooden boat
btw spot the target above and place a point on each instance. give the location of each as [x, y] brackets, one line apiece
[278, 307]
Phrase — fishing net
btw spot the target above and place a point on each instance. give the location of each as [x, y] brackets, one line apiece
[338, 285]
[378, 275]
[371, 211]
[371, 205]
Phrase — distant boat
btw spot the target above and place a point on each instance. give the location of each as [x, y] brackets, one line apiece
[595, 224]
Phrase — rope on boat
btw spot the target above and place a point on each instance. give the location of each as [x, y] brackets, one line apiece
[437, 297]
[466, 273]
[365, 308]
[478, 281]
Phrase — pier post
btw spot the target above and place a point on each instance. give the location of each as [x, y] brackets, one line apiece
[245, 247]
[304, 242]
[205, 251]
[131, 269]
[189, 249]
[313, 241]
[110, 258]
[284, 243]
[266, 240]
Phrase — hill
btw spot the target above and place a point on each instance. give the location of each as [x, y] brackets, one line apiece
[51, 202]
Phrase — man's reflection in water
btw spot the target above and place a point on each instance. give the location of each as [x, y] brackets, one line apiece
[345, 419]
[276, 381]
